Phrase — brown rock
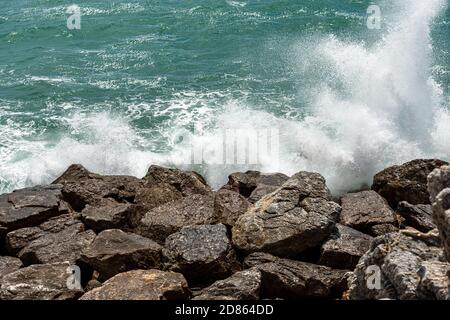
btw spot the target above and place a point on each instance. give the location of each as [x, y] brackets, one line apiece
[9, 265]
[229, 206]
[417, 216]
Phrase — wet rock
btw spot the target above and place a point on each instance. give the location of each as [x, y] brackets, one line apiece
[400, 261]
[406, 182]
[417, 216]
[254, 184]
[39, 282]
[114, 251]
[60, 239]
[142, 285]
[30, 207]
[229, 206]
[159, 223]
[439, 188]
[9, 265]
[344, 248]
[186, 182]
[201, 250]
[364, 209]
[289, 279]
[243, 285]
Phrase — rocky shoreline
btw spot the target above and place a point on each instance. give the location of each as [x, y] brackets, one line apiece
[169, 236]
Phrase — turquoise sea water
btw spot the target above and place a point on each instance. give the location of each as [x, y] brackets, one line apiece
[115, 94]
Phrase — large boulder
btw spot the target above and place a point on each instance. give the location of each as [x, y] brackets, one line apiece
[290, 279]
[406, 182]
[9, 265]
[142, 285]
[40, 282]
[229, 206]
[243, 285]
[398, 266]
[276, 224]
[344, 248]
[59, 239]
[186, 182]
[159, 223]
[418, 216]
[439, 188]
[114, 251]
[30, 207]
[201, 253]
[363, 210]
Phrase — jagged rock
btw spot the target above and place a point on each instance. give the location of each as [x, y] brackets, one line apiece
[201, 250]
[400, 260]
[406, 182]
[276, 224]
[18, 239]
[9, 265]
[159, 223]
[229, 206]
[326, 208]
[417, 216]
[381, 229]
[439, 188]
[150, 196]
[364, 209]
[30, 207]
[289, 279]
[39, 282]
[344, 248]
[60, 239]
[243, 285]
[187, 182]
[115, 251]
[254, 184]
[92, 284]
[142, 285]
[435, 280]
[257, 258]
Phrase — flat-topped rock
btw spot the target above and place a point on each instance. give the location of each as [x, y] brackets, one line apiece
[142, 285]
[114, 251]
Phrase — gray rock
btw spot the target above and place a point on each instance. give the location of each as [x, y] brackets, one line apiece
[243, 285]
[417, 216]
[60, 239]
[326, 208]
[142, 285]
[289, 279]
[9, 265]
[406, 182]
[197, 251]
[18, 239]
[114, 251]
[30, 207]
[159, 223]
[229, 206]
[364, 209]
[381, 229]
[400, 260]
[39, 282]
[435, 280]
[344, 248]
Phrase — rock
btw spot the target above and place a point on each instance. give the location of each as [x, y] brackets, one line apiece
[254, 184]
[406, 182]
[39, 282]
[186, 182]
[59, 239]
[380, 229]
[326, 208]
[201, 250]
[276, 224]
[439, 187]
[435, 281]
[257, 258]
[18, 239]
[417, 216]
[108, 214]
[92, 284]
[243, 285]
[150, 196]
[229, 206]
[400, 261]
[30, 207]
[9, 265]
[142, 285]
[159, 223]
[114, 251]
[364, 209]
[289, 279]
[344, 248]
